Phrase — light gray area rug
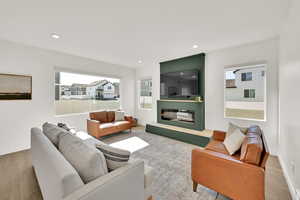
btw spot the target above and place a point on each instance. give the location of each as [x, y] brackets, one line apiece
[171, 161]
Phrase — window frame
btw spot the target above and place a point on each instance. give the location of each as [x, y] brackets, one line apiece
[66, 70]
[234, 67]
[139, 85]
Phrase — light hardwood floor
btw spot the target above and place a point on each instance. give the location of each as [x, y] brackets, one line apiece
[18, 181]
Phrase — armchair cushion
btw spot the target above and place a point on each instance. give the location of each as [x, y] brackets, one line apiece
[110, 116]
[252, 148]
[217, 146]
[99, 116]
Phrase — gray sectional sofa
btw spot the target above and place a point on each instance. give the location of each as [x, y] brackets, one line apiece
[59, 180]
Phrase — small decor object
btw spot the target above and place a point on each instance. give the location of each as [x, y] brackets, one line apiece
[15, 87]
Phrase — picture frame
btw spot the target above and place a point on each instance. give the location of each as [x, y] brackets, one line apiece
[15, 87]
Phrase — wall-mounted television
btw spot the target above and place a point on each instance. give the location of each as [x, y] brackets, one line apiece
[182, 84]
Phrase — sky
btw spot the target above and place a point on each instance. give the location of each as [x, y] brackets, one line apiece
[67, 78]
[230, 75]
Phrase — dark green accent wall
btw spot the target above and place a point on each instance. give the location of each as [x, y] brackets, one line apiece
[194, 62]
[185, 137]
[197, 107]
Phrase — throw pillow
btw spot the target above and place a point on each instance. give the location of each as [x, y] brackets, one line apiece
[87, 160]
[232, 127]
[119, 115]
[234, 141]
[52, 132]
[115, 157]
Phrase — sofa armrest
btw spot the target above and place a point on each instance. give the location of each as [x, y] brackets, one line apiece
[126, 183]
[93, 127]
[219, 135]
[227, 175]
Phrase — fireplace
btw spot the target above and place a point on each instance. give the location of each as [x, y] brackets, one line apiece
[181, 113]
[178, 115]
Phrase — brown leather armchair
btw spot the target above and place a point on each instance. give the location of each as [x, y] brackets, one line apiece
[103, 123]
[240, 176]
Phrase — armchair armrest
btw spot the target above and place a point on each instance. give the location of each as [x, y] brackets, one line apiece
[129, 118]
[219, 135]
[227, 175]
[93, 127]
[114, 185]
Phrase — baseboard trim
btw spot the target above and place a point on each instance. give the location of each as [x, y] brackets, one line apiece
[291, 187]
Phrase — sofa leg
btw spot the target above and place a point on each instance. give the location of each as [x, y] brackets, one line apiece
[195, 184]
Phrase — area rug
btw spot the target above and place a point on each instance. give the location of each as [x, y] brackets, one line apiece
[171, 161]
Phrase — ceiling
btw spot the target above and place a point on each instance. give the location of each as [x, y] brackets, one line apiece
[123, 32]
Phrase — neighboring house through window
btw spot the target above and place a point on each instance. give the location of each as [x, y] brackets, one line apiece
[81, 93]
[245, 92]
[249, 93]
[145, 98]
[247, 76]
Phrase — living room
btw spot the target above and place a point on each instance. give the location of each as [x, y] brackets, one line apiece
[135, 47]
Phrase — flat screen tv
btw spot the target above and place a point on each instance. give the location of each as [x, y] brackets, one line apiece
[183, 84]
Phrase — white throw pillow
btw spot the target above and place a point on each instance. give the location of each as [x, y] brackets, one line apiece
[232, 127]
[119, 115]
[234, 141]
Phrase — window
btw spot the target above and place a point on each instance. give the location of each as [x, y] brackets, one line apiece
[145, 99]
[249, 93]
[80, 93]
[245, 99]
[247, 76]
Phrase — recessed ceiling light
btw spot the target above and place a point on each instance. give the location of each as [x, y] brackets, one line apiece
[195, 46]
[55, 36]
[140, 61]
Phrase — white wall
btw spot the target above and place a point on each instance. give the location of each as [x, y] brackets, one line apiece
[17, 117]
[261, 52]
[289, 98]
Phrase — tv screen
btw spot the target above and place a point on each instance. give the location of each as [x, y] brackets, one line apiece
[182, 84]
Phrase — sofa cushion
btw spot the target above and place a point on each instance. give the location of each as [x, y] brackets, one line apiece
[119, 115]
[88, 161]
[99, 116]
[110, 116]
[115, 157]
[120, 123]
[234, 141]
[252, 148]
[107, 125]
[232, 127]
[217, 146]
[52, 132]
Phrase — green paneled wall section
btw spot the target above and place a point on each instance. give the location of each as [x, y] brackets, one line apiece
[185, 137]
[195, 62]
[197, 107]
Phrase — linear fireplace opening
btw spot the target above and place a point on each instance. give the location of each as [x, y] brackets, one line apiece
[178, 115]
